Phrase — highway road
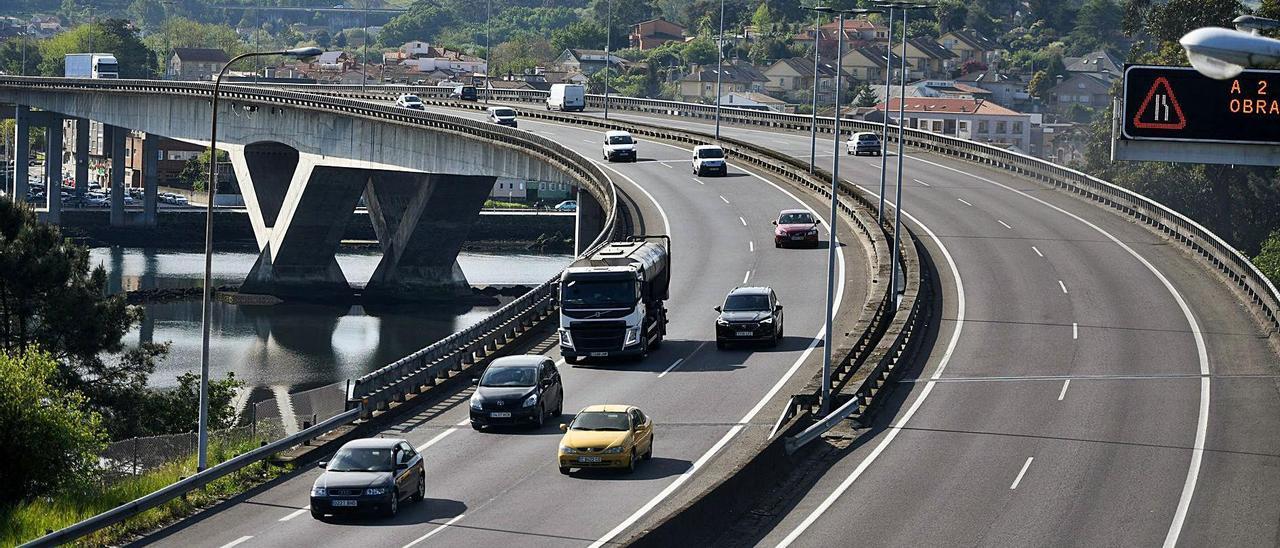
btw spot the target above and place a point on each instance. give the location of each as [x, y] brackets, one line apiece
[503, 487]
[1091, 384]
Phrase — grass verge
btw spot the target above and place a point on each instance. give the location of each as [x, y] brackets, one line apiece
[505, 205]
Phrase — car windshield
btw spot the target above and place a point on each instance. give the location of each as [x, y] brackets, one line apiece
[620, 140]
[710, 153]
[795, 219]
[598, 293]
[504, 112]
[868, 137]
[361, 459]
[746, 302]
[509, 376]
[600, 420]
[411, 99]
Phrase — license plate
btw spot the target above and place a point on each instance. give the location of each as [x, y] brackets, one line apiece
[500, 414]
[599, 354]
[344, 503]
[797, 237]
[588, 459]
[744, 333]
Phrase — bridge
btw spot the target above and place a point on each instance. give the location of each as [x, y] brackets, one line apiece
[1096, 369]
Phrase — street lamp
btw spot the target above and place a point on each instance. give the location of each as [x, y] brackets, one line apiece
[203, 430]
[813, 110]
[1224, 53]
[488, 52]
[719, 65]
[608, 44]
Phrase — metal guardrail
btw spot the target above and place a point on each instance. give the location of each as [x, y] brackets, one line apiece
[152, 500]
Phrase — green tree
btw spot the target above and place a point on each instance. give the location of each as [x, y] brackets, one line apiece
[49, 436]
[1268, 259]
[340, 40]
[15, 50]
[322, 38]
[522, 53]
[700, 51]
[582, 34]
[195, 172]
[762, 19]
[180, 32]
[423, 21]
[147, 13]
[866, 97]
[116, 36]
[1040, 85]
[1097, 27]
[177, 410]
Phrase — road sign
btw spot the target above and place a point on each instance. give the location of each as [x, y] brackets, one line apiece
[1180, 104]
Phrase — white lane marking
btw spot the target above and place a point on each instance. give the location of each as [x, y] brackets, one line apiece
[587, 141]
[665, 221]
[746, 277]
[744, 221]
[1063, 286]
[441, 436]
[237, 541]
[751, 246]
[921, 182]
[699, 181]
[673, 366]
[1202, 354]
[1037, 250]
[1075, 331]
[733, 432]
[1004, 224]
[436, 530]
[296, 513]
[1021, 473]
[664, 164]
[722, 198]
[911, 411]
[1063, 393]
[964, 202]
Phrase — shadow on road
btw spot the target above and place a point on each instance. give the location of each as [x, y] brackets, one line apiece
[655, 468]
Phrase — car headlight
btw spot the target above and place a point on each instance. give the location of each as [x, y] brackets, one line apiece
[633, 336]
[613, 450]
[566, 340]
[722, 322]
[766, 321]
[567, 450]
[530, 401]
[375, 491]
[317, 491]
[476, 402]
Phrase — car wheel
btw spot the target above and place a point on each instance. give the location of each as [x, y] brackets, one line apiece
[476, 427]
[559, 406]
[777, 244]
[564, 470]
[422, 489]
[317, 515]
[721, 344]
[571, 360]
[394, 507]
[542, 417]
[648, 455]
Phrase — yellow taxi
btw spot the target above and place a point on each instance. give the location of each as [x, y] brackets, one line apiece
[606, 436]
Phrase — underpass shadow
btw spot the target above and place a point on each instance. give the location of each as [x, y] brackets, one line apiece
[415, 513]
[654, 468]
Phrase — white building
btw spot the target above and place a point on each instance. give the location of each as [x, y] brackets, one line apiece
[975, 119]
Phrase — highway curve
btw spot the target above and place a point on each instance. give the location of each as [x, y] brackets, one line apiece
[1081, 362]
[503, 488]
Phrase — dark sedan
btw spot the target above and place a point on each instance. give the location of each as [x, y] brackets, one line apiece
[749, 314]
[369, 475]
[517, 390]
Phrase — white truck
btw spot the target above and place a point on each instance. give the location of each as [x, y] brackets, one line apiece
[613, 303]
[567, 97]
[91, 65]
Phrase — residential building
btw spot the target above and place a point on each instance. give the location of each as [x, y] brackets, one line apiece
[856, 33]
[1098, 62]
[868, 64]
[700, 84]
[755, 101]
[1006, 89]
[1087, 89]
[945, 89]
[172, 156]
[655, 32]
[928, 59]
[973, 119]
[795, 75]
[195, 63]
[969, 45]
[333, 61]
[587, 61]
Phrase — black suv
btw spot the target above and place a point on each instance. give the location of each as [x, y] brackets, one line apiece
[517, 390]
[749, 314]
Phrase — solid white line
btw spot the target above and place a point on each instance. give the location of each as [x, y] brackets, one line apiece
[1063, 286]
[1202, 354]
[751, 246]
[237, 541]
[441, 436]
[296, 513]
[744, 221]
[1022, 472]
[1075, 330]
[1034, 248]
[1004, 224]
[725, 201]
[747, 276]
[964, 202]
[922, 182]
[665, 221]
[673, 366]
[1063, 393]
[665, 165]
[699, 181]
[436, 530]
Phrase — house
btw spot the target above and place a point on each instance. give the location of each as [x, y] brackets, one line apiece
[655, 32]
[1007, 90]
[172, 158]
[868, 64]
[973, 119]
[969, 45]
[933, 88]
[333, 61]
[795, 74]
[1098, 62]
[1087, 89]
[700, 84]
[195, 63]
[755, 101]
[856, 33]
[587, 61]
[927, 58]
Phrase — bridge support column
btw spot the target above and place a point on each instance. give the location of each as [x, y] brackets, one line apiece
[422, 221]
[21, 152]
[53, 171]
[82, 156]
[590, 221]
[150, 179]
[114, 137]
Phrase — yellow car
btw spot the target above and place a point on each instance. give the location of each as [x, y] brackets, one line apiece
[606, 436]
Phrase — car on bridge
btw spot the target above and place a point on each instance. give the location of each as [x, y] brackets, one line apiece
[606, 436]
[517, 390]
[749, 314]
[463, 93]
[619, 145]
[410, 101]
[372, 474]
[863, 142]
[709, 159]
[795, 227]
[503, 116]
[567, 205]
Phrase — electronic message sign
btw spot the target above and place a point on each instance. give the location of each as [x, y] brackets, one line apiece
[1180, 104]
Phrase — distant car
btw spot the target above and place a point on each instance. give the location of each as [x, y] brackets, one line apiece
[606, 436]
[503, 116]
[463, 93]
[864, 142]
[96, 201]
[411, 101]
[517, 390]
[709, 159]
[749, 314]
[372, 474]
[179, 200]
[619, 145]
[795, 227]
[567, 205]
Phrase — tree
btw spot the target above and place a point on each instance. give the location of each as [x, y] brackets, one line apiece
[582, 34]
[340, 41]
[113, 35]
[762, 19]
[195, 172]
[13, 52]
[177, 410]
[1169, 21]
[423, 20]
[524, 52]
[866, 97]
[700, 51]
[1097, 27]
[322, 38]
[179, 32]
[49, 436]
[1040, 85]
[147, 13]
[1268, 259]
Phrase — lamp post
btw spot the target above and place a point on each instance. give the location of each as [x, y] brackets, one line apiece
[488, 52]
[813, 110]
[608, 45]
[203, 430]
[719, 65]
[1224, 53]
[902, 100]
[884, 127]
[364, 49]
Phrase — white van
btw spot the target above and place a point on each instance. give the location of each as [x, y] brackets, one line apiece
[567, 97]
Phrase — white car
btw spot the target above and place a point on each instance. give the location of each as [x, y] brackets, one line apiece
[709, 159]
[619, 145]
[409, 100]
[863, 142]
[179, 199]
[503, 116]
[567, 205]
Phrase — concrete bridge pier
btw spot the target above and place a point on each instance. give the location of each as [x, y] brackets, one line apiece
[21, 152]
[82, 156]
[53, 171]
[113, 139]
[589, 222]
[150, 179]
[422, 220]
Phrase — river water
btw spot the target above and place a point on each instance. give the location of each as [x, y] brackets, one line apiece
[297, 346]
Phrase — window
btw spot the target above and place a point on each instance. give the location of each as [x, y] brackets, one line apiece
[1000, 127]
[982, 126]
[1017, 127]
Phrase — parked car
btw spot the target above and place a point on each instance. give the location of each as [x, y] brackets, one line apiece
[503, 116]
[749, 314]
[619, 145]
[864, 142]
[517, 390]
[372, 474]
[409, 100]
[567, 205]
[606, 436]
[463, 93]
[709, 159]
[795, 227]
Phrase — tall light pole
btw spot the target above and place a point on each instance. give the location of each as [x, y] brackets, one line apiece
[902, 101]
[719, 65]
[884, 131]
[364, 49]
[608, 45]
[488, 51]
[207, 293]
[813, 110]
